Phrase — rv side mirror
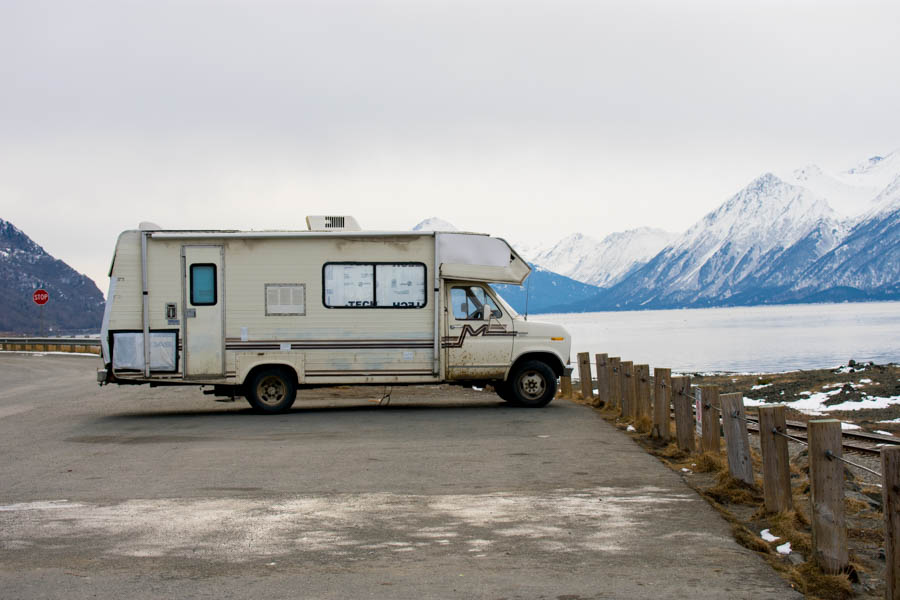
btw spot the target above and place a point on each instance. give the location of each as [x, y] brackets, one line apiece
[486, 311]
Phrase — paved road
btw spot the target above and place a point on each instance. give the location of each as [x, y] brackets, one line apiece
[443, 493]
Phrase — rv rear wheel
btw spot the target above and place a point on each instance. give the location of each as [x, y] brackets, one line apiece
[271, 390]
[533, 384]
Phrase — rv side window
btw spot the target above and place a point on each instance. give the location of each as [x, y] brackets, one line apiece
[203, 284]
[468, 303]
[373, 285]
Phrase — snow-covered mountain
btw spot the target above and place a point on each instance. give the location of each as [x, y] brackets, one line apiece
[851, 193]
[867, 259]
[434, 224]
[777, 240]
[76, 305]
[603, 262]
[744, 244]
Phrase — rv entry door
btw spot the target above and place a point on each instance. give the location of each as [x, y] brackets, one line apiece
[204, 311]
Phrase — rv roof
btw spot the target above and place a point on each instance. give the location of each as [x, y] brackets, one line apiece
[206, 233]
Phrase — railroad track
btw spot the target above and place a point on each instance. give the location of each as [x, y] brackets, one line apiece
[854, 441]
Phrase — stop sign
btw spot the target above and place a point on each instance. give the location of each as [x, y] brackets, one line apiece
[40, 296]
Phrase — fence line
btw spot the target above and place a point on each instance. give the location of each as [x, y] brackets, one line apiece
[624, 385]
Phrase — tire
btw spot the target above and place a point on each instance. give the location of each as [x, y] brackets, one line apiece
[532, 384]
[272, 390]
[505, 392]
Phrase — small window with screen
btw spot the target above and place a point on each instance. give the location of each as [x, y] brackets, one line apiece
[285, 299]
[203, 284]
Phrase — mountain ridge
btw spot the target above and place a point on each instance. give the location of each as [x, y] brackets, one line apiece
[75, 306]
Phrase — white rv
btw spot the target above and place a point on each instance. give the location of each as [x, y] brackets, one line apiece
[262, 314]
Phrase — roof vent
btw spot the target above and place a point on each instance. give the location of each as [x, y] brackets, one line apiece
[331, 223]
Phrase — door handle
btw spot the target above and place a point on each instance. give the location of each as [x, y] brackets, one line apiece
[456, 327]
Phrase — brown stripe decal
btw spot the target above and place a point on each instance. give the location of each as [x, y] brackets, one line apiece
[484, 330]
[328, 344]
[363, 373]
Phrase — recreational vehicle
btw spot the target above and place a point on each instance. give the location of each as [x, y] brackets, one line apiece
[263, 314]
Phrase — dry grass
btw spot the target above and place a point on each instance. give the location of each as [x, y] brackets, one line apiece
[790, 525]
[853, 505]
[729, 490]
[643, 424]
[816, 584]
[710, 462]
[747, 539]
[672, 452]
[870, 535]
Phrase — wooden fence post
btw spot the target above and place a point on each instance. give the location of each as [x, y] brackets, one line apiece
[776, 466]
[737, 440]
[565, 383]
[584, 375]
[890, 493]
[826, 479]
[642, 388]
[602, 361]
[709, 399]
[629, 408]
[662, 394]
[682, 400]
[615, 383]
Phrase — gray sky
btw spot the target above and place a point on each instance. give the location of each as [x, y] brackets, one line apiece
[519, 118]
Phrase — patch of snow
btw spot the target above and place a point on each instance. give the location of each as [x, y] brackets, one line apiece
[867, 403]
[686, 470]
[630, 428]
[785, 548]
[891, 421]
[864, 381]
[761, 386]
[814, 404]
[849, 426]
[880, 432]
[767, 536]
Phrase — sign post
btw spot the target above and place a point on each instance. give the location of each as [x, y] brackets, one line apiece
[41, 297]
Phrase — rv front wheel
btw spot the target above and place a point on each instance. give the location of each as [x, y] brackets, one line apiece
[533, 384]
[272, 391]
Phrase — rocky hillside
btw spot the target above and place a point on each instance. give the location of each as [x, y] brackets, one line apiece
[75, 306]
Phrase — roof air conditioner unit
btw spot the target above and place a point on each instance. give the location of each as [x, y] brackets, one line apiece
[332, 223]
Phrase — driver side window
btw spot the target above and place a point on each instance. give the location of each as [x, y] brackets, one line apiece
[468, 303]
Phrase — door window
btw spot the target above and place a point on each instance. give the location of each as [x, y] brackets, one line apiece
[469, 301]
[203, 284]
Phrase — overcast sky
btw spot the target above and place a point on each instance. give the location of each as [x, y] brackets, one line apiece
[520, 118]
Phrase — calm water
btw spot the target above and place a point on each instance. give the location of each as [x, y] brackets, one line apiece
[745, 339]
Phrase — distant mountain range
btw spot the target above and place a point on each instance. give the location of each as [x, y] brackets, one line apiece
[75, 306]
[776, 241]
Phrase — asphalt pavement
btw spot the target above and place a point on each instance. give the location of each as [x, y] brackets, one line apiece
[440, 492]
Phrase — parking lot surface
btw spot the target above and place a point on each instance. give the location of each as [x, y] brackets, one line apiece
[439, 493]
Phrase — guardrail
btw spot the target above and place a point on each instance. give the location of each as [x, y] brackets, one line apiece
[74, 344]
